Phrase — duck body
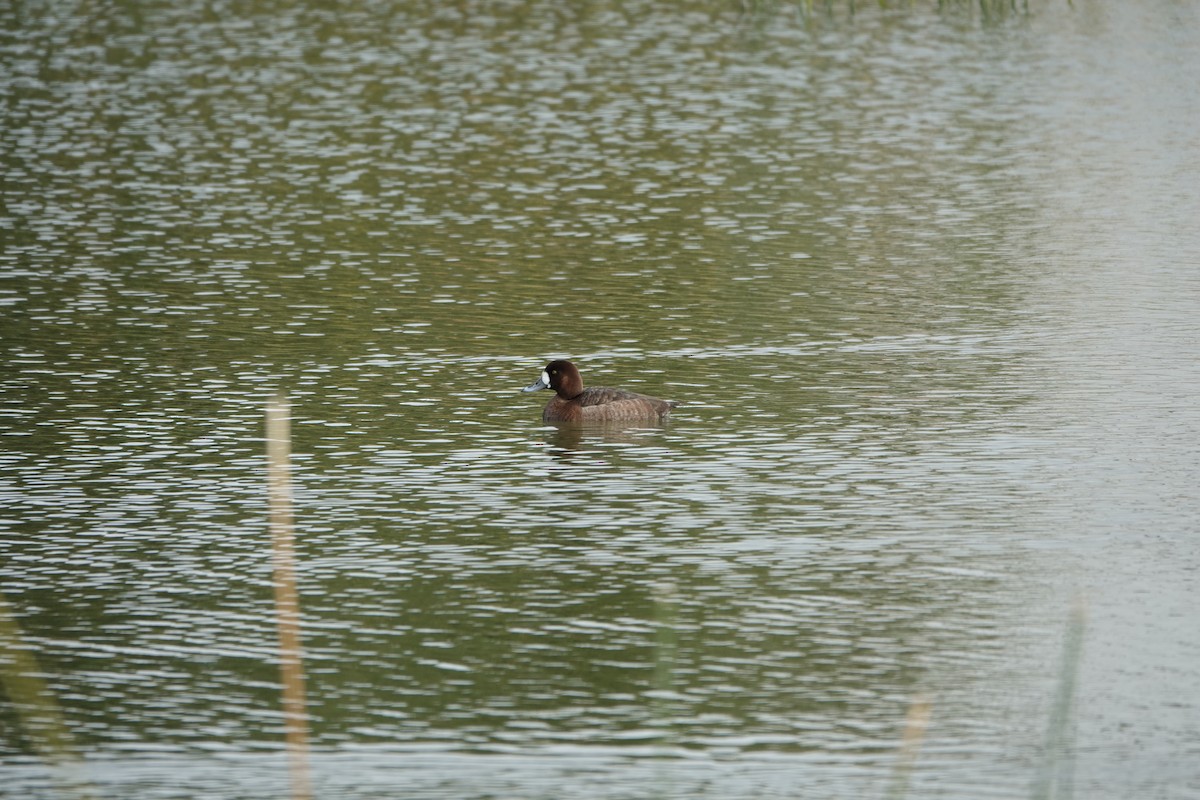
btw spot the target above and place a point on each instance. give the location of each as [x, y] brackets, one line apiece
[574, 405]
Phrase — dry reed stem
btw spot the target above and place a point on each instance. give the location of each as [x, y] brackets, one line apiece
[920, 709]
[287, 603]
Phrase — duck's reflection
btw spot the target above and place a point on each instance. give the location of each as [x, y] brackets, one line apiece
[571, 441]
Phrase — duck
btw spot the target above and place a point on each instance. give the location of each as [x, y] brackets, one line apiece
[574, 405]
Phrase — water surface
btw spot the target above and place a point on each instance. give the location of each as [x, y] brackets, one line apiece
[925, 280]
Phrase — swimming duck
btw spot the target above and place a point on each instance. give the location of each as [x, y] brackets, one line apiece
[599, 404]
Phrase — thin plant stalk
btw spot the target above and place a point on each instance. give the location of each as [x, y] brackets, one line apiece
[41, 717]
[920, 709]
[1056, 775]
[664, 698]
[666, 644]
[287, 603]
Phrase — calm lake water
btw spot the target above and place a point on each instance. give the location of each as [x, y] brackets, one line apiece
[926, 280]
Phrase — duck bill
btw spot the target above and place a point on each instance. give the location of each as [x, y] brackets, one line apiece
[540, 383]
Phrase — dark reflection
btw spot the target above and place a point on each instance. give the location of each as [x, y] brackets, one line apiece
[565, 629]
[567, 439]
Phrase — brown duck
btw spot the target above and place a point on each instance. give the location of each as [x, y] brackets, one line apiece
[573, 404]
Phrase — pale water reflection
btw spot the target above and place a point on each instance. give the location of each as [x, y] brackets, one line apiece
[924, 279]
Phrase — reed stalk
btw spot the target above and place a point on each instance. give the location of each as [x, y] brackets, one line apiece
[666, 643]
[920, 709]
[287, 603]
[41, 718]
[1056, 774]
[664, 702]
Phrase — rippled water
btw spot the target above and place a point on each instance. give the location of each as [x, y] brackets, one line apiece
[926, 282]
